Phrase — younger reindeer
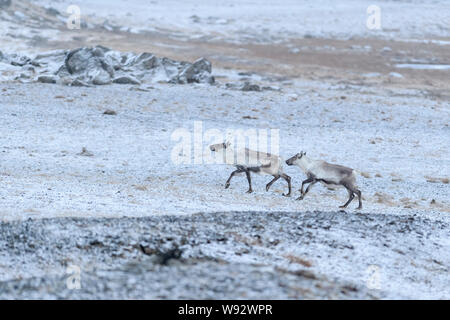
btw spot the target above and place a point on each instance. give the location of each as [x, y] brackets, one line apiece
[265, 164]
[327, 173]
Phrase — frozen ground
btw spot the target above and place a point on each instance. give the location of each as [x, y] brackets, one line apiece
[139, 225]
[130, 173]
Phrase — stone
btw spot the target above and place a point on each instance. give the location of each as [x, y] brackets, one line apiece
[5, 4]
[199, 71]
[47, 79]
[250, 87]
[126, 80]
[52, 11]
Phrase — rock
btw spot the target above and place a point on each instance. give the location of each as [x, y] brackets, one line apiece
[85, 153]
[395, 75]
[109, 26]
[110, 112]
[195, 18]
[52, 11]
[126, 80]
[5, 4]
[100, 66]
[90, 65]
[22, 76]
[172, 69]
[246, 74]
[145, 61]
[47, 79]
[372, 75]
[78, 83]
[18, 60]
[164, 257]
[20, 15]
[199, 71]
[232, 86]
[271, 88]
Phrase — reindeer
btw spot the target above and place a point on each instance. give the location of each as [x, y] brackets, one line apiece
[326, 173]
[266, 164]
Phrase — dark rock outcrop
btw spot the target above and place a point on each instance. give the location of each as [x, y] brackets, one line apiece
[5, 4]
[101, 66]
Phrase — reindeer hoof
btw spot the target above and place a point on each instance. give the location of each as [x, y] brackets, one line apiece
[249, 191]
[227, 185]
[299, 198]
[359, 208]
[267, 188]
[342, 207]
[286, 195]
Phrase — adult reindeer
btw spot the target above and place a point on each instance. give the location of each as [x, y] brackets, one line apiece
[327, 173]
[265, 164]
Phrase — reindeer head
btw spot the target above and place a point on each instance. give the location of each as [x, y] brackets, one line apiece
[294, 159]
[219, 146]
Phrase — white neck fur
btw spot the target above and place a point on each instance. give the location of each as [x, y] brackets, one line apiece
[305, 163]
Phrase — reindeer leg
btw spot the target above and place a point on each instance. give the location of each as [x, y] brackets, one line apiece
[272, 181]
[227, 184]
[351, 195]
[288, 180]
[358, 193]
[305, 182]
[247, 172]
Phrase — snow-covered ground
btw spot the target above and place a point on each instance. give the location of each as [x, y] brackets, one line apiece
[130, 171]
[403, 140]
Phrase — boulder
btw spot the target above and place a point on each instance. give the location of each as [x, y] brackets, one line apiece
[78, 83]
[18, 60]
[144, 61]
[250, 87]
[199, 71]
